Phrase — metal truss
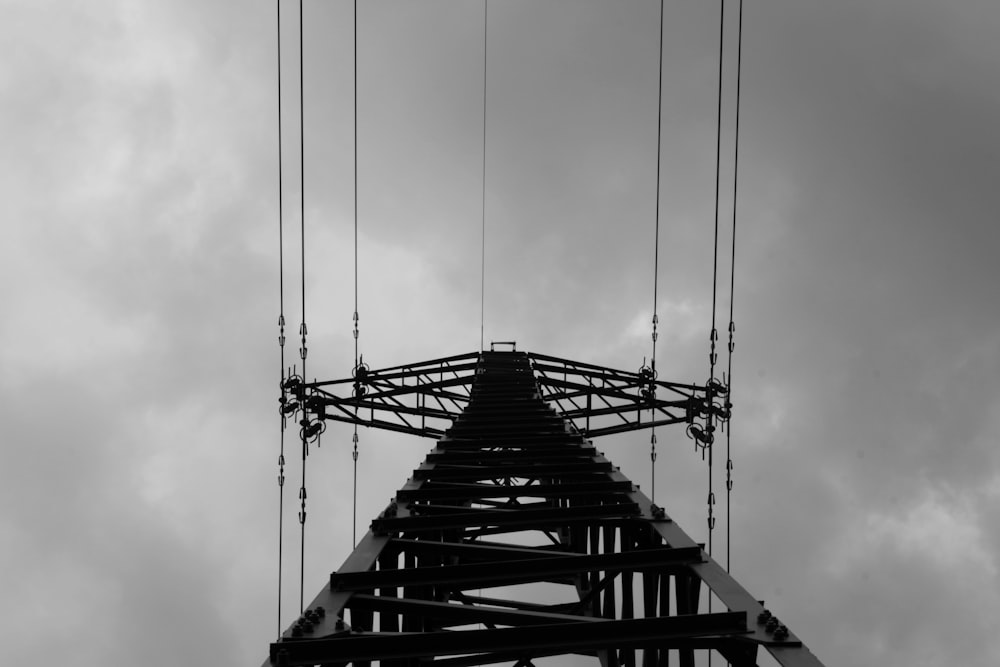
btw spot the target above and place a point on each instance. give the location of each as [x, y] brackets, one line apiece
[517, 540]
[597, 400]
[425, 398]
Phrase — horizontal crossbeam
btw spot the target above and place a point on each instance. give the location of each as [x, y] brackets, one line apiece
[523, 518]
[449, 613]
[481, 491]
[547, 638]
[504, 573]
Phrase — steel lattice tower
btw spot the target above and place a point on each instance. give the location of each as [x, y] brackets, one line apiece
[516, 539]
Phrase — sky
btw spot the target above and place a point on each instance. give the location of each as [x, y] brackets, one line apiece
[139, 362]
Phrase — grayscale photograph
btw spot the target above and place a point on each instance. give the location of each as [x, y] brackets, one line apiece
[538, 333]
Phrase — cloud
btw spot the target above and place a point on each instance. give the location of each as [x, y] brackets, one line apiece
[138, 342]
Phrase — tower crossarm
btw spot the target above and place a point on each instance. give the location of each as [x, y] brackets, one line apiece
[426, 398]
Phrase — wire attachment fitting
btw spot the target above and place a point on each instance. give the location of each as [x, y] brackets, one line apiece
[311, 430]
[360, 375]
[647, 382]
[703, 436]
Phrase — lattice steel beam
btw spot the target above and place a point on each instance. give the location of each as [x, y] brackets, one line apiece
[426, 398]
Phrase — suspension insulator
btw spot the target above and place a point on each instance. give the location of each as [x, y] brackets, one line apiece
[701, 437]
[312, 430]
[716, 387]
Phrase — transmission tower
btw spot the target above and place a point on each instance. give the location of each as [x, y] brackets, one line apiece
[516, 539]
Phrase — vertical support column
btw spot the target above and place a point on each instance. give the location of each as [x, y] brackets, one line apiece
[410, 592]
[594, 535]
[627, 655]
[687, 589]
[609, 592]
[388, 622]
[650, 588]
[664, 657]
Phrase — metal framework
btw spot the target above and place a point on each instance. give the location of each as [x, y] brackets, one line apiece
[425, 398]
[516, 539]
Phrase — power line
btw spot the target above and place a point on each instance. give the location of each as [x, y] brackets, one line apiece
[656, 250]
[303, 350]
[714, 335]
[482, 283]
[354, 453]
[732, 285]
[281, 328]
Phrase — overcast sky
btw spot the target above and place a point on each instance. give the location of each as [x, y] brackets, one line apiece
[138, 343]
